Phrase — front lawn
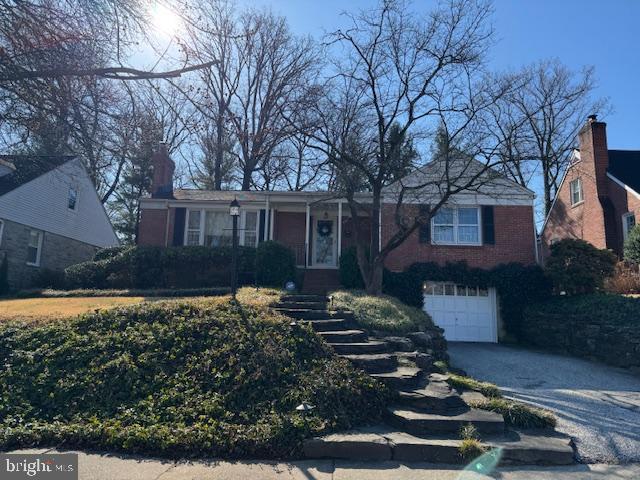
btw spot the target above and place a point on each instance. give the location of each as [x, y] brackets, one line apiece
[381, 313]
[199, 378]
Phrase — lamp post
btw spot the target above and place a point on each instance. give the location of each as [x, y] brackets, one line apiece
[234, 211]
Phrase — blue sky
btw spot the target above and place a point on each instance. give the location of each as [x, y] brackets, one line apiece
[601, 33]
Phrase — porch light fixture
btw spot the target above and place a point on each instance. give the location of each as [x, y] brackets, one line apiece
[234, 208]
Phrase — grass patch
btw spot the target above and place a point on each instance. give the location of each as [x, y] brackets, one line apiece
[208, 377]
[95, 292]
[518, 414]
[468, 383]
[383, 313]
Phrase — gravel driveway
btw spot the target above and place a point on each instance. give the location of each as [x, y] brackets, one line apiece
[597, 405]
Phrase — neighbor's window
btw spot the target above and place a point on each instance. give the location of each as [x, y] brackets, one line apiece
[72, 198]
[575, 186]
[456, 226]
[628, 222]
[34, 247]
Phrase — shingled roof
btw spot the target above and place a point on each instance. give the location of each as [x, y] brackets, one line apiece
[625, 166]
[29, 167]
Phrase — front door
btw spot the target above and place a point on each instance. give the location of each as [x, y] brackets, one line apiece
[324, 244]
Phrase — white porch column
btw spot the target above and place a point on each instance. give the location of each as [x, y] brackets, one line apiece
[272, 218]
[306, 235]
[267, 220]
[339, 228]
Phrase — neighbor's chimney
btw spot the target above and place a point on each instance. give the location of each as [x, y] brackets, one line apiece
[593, 150]
[163, 168]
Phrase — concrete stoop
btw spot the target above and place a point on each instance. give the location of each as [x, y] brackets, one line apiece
[425, 423]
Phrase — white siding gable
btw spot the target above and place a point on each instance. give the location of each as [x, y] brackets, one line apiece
[43, 204]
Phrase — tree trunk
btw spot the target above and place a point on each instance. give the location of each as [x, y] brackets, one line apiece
[217, 167]
[373, 281]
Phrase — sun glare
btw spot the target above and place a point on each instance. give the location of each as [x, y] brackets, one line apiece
[165, 21]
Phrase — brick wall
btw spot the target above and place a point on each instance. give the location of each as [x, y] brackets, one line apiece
[152, 229]
[514, 242]
[57, 253]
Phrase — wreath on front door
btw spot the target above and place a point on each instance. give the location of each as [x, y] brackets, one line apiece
[325, 228]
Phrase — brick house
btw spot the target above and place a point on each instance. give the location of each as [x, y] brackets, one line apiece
[50, 216]
[598, 199]
[486, 227]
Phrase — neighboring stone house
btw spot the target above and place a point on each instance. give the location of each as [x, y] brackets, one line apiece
[50, 216]
[598, 199]
[491, 225]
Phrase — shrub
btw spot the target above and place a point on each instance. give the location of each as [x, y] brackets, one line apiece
[625, 279]
[576, 266]
[163, 267]
[350, 276]
[177, 379]
[275, 264]
[382, 313]
[632, 245]
[110, 252]
[47, 278]
[517, 285]
[4, 275]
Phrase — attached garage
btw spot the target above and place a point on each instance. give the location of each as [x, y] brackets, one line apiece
[466, 313]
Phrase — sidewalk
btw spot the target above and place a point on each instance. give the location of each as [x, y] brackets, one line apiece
[109, 467]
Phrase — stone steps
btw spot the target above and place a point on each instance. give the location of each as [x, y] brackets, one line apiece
[361, 348]
[374, 363]
[402, 378]
[344, 336]
[420, 422]
[308, 314]
[383, 442]
[433, 396]
[304, 298]
[329, 324]
[304, 305]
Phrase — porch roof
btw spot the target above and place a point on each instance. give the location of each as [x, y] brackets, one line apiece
[196, 195]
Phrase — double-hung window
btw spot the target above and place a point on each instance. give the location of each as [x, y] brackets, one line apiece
[250, 229]
[575, 187]
[193, 228]
[218, 228]
[34, 248]
[456, 226]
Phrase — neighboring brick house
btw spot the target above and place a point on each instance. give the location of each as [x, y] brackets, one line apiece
[598, 199]
[485, 227]
[50, 216]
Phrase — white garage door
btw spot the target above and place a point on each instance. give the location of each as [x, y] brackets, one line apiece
[466, 313]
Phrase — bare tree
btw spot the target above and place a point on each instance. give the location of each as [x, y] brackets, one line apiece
[538, 122]
[397, 76]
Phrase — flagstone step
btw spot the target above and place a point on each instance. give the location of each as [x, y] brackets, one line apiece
[383, 442]
[307, 314]
[435, 397]
[329, 324]
[425, 423]
[344, 336]
[304, 298]
[374, 363]
[361, 348]
[303, 305]
[402, 378]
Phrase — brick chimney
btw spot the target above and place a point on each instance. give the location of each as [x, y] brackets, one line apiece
[163, 168]
[593, 151]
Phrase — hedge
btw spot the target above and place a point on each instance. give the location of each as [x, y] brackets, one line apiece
[599, 326]
[517, 285]
[275, 264]
[162, 267]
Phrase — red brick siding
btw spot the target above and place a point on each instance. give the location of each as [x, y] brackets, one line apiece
[514, 242]
[152, 228]
[623, 202]
[288, 229]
